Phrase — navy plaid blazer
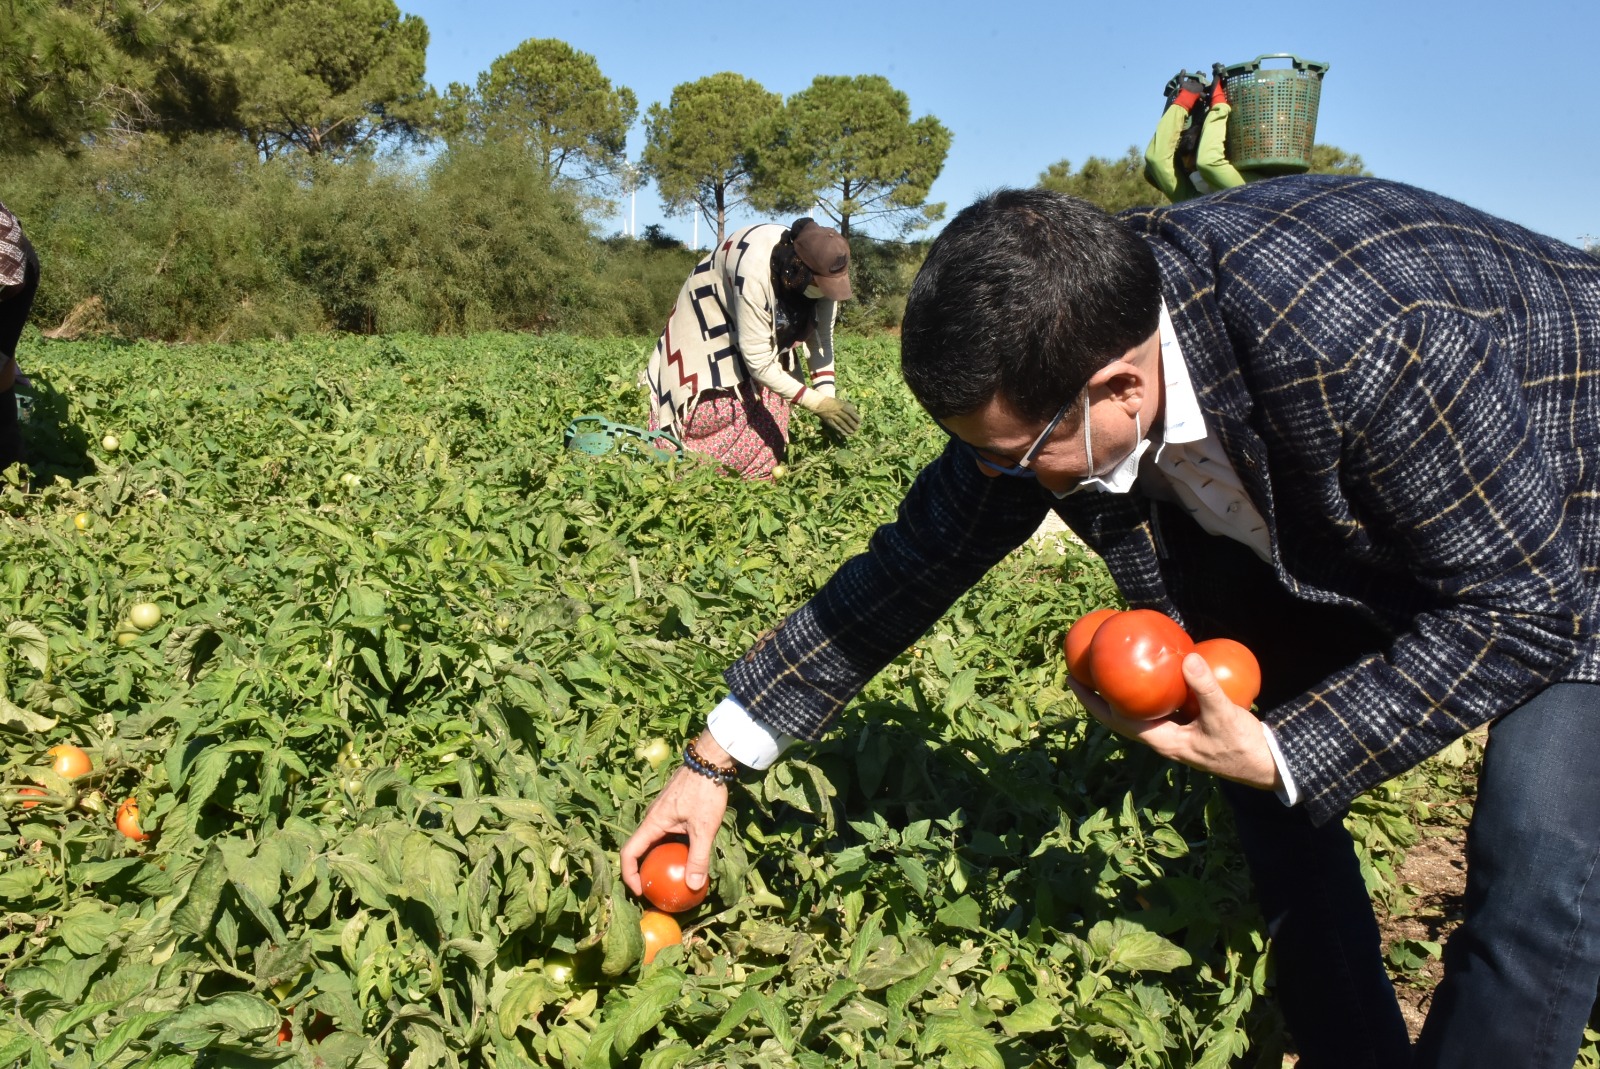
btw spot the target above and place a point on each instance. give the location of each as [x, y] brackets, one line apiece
[1410, 392]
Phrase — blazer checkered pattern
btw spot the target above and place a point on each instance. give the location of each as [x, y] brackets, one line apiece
[1410, 392]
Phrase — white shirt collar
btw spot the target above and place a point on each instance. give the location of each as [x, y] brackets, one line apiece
[1182, 421]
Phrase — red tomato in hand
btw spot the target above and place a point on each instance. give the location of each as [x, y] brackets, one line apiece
[662, 873]
[1076, 644]
[1136, 661]
[1236, 669]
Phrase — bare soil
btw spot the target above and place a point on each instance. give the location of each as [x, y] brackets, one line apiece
[1436, 870]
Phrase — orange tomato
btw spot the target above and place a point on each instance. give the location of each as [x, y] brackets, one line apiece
[1236, 669]
[662, 873]
[659, 931]
[128, 820]
[30, 790]
[1076, 644]
[1136, 661]
[70, 761]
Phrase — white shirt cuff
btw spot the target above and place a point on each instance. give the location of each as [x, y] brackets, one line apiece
[747, 740]
[1288, 794]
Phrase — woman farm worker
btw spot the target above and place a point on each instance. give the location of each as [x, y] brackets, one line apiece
[1187, 155]
[724, 373]
[19, 280]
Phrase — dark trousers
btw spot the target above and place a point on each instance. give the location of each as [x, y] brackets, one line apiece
[1521, 971]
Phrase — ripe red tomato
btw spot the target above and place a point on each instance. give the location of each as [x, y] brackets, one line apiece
[662, 872]
[30, 791]
[1076, 644]
[1136, 661]
[1236, 670]
[128, 821]
[660, 931]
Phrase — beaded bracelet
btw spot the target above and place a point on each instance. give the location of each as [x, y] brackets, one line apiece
[695, 763]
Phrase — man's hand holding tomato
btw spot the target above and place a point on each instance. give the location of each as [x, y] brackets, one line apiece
[690, 804]
[1224, 740]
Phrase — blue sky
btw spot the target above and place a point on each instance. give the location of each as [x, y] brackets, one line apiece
[1481, 102]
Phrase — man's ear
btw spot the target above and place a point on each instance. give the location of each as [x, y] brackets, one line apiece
[1124, 382]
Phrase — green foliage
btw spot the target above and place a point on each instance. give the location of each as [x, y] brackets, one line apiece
[1331, 159]
[203, 241]
[73, 68]
[1116, 185]
[1113, 185]
[386, 739]
[645, 275]
[701, 147]
[850, 145]
[551, 98]
[881, 273]
[325, 76]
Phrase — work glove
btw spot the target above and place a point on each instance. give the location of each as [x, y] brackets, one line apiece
[839, 417]
[1219, 84]
[1185, 90]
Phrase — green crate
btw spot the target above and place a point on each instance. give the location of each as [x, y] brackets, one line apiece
[1274, 113]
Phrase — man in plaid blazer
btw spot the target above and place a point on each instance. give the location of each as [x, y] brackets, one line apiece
[1350, 423]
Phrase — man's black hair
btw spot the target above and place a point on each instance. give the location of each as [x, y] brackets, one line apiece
[1026, 294]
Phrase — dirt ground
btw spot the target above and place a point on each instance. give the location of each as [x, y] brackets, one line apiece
[1436, 868]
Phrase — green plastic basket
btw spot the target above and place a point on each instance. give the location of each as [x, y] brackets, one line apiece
[594, 435]
[1274, 113]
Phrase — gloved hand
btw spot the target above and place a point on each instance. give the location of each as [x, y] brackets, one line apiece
[1219, 84]
[839, 417]
[1188, 92]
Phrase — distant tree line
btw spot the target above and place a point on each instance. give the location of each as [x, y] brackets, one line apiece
[230, 168]
[1119, 184]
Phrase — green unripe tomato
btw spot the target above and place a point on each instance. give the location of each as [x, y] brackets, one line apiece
[654, 752]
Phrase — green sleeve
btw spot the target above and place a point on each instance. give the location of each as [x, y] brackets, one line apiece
[1212, 159]
[1160, 167]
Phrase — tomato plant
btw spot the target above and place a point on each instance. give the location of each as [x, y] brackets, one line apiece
[393, 736]
[1236, 669]
[1076, 644]
[660, 930]
[662, 872]
[1136, 661]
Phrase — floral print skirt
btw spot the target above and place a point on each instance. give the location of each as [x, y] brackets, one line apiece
[745, 429]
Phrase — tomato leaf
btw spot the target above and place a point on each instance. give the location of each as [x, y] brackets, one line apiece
[964, 1043]
[623, 944]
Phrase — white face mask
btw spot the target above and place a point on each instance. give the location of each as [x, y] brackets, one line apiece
[1120, 479]
[813, 292]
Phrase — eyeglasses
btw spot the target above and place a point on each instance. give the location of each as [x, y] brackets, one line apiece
[1022, 469]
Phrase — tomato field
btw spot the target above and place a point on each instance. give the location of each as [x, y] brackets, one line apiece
[400, 704]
